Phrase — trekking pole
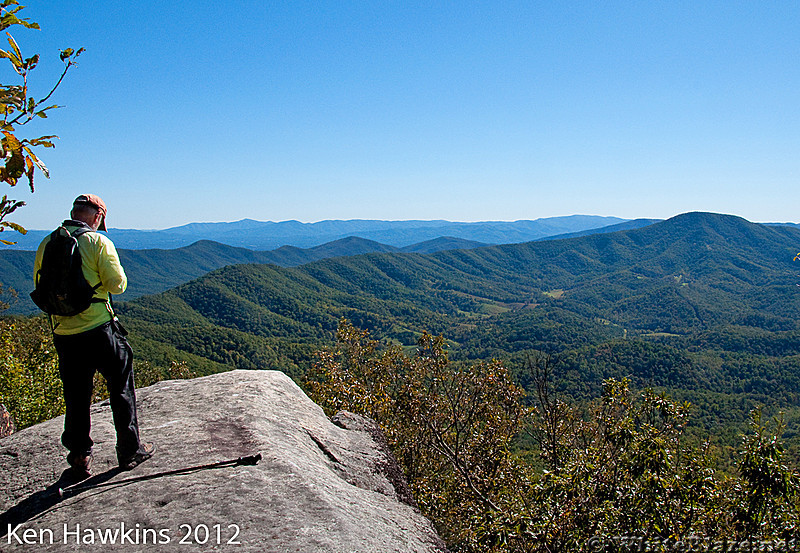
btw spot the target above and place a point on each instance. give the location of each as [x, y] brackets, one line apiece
[250, 460]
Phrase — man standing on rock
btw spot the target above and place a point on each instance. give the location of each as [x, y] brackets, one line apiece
[93, 340]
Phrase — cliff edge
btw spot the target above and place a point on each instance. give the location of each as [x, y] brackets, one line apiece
[317, 487]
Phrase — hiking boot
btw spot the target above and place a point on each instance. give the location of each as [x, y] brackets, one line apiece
[81, 465]
[146, 451]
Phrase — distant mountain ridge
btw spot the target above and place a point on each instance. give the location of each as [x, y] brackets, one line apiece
[155, 270]
[626, 225]
[260, 236]
[689, 274]
[702, 306]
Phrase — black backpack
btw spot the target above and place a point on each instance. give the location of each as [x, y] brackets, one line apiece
[61, 288]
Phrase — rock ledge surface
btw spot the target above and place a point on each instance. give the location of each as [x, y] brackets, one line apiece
[319, 487]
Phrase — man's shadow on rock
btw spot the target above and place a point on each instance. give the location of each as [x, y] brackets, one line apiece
[42, 501]
[69, 486]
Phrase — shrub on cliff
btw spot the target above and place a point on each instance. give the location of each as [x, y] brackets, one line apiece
[619, 466]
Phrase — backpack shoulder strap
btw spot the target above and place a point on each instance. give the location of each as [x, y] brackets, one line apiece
[81, 230]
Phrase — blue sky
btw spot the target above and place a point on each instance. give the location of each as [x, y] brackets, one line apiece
[467, 111]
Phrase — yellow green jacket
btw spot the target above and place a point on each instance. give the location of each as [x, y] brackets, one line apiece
[100, 264]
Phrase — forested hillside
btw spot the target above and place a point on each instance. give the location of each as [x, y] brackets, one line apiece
[701, 304]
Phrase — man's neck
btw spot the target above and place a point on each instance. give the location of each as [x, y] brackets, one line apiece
[76, 223]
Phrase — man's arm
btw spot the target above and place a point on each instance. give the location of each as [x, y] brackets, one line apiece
[37, 264]
[112, 275]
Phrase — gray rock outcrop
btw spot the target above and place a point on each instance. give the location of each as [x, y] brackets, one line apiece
[318, 487]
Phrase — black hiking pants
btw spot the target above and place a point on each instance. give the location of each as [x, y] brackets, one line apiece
[104, 349]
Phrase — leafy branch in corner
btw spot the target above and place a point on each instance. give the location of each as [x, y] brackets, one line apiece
[18, 107]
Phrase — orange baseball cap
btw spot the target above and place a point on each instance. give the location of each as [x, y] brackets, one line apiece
[95, 202]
